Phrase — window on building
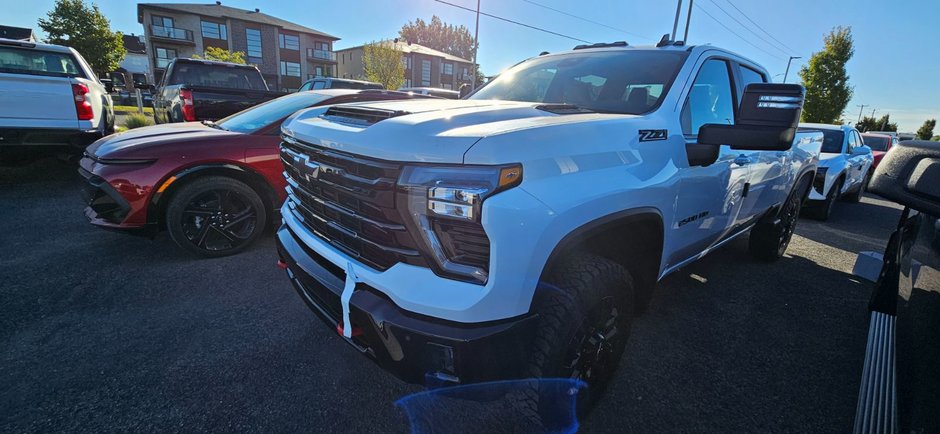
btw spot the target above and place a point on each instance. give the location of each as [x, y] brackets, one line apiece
[464, 73]
[710, 100]
[164, 56]
[318, 71]
[447, 86]
[254, 45]
[290, 69]
[321, 46]
[213, 30]
[161, 21]
[407, 82]
[406, 62]
[425, 72]
[447, 68]
[289, 42]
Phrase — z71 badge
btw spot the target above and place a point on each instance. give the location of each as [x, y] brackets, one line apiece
[653, 135]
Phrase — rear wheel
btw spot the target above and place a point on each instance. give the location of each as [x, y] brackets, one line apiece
[824, 209]
[585, 312]
[215, 216]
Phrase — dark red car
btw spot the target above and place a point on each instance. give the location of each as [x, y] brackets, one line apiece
[213, 186]
[879, 144]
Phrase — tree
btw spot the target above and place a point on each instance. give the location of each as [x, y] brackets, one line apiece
[926, 130]
[383, 64]
[222, 55]
[826, 80]
[75, 24]
[451, 39]
[869, 123]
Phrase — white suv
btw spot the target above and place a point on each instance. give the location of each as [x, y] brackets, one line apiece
[50, 96]
[845, 167]
[515, 234]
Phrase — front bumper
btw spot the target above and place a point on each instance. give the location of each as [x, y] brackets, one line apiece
[415, 348]
[104, 205]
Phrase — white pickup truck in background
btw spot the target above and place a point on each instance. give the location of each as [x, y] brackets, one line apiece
[50, 96]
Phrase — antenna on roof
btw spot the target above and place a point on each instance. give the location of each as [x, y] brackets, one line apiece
[218, 3]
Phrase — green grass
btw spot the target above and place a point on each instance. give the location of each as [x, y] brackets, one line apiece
[137, 120]
[132, 109]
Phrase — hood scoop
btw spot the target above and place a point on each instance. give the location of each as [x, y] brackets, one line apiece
[360, 116]
[563, 109]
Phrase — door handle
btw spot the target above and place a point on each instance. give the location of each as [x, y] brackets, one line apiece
[742, 160]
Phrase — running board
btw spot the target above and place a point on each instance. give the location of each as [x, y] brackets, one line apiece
[877, 410]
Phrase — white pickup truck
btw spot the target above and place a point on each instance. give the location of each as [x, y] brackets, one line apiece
[515, 233]
[50, 96]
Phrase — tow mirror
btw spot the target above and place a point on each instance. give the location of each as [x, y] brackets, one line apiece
[767, 119]
[909, 174]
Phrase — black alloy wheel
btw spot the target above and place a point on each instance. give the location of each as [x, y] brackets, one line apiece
[215, 216]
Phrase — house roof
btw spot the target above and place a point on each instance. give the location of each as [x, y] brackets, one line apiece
[134, 44]
[415, 48]
[18, 33]
[218, 10]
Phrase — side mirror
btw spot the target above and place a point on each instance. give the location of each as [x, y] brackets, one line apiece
[861, 150]
[767, 119]
[909, 174]
[464, 90]
[108, 84]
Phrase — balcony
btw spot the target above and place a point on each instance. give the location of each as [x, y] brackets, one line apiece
[172, 34]
[320, 55]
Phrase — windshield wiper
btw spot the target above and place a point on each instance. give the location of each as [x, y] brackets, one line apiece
[564, 109]
[213, 125]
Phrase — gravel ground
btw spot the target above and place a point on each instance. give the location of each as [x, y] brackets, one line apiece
[101, 331]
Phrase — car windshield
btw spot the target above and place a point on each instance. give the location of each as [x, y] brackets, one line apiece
[622, 81]
[877, 143]
[832, 141]
[262, 115]
[35, 62]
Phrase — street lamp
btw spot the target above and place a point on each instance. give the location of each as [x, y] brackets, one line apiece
[788, 67]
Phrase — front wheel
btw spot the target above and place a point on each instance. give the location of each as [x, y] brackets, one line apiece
[585, 311]
[769, 240]
[215, 216]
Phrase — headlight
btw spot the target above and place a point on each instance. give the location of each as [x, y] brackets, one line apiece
[444, 206]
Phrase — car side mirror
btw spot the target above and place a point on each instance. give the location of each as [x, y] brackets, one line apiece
[861, 150]
[767, 119]
[909, 174]
[108, 84]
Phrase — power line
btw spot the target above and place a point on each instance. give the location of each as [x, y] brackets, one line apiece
[513, 22]
[588, 20]
[760, 27]
[736, 34]
[748, 28]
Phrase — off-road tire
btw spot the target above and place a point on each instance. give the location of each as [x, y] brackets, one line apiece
[235, 201]
[769, 239]
[574, 296]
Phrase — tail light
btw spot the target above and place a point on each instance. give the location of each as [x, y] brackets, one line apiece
[189, 112]
[82, 104]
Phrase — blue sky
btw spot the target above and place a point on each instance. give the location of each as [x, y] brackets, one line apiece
[895, 68]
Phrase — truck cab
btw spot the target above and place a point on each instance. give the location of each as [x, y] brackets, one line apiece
[511, 233]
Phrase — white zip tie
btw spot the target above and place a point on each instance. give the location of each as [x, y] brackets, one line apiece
[348, 290]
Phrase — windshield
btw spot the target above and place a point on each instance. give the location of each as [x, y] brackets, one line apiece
[262, 115]
[628, 82]
[832, 141]
[877, 143]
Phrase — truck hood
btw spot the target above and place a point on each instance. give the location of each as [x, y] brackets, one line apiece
[144, 142]
[439, 131]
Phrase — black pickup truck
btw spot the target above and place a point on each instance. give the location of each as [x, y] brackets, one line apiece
[204, 90]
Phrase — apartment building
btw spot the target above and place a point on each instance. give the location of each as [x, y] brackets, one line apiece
[287, 54]
[424, 67]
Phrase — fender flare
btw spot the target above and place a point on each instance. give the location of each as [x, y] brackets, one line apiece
[199, 169]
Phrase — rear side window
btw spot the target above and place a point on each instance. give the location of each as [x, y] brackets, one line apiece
[710, 101]
[217, 76]
[35, 62]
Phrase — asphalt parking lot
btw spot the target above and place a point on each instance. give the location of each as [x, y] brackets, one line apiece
[101, 331]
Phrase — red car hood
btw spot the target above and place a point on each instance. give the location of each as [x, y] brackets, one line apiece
[144, 142]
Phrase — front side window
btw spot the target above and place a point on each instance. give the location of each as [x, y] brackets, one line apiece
[213, 30]
[623, 81]
[290, 69]
[710, 100]
[254, 45]
[164, 56]
[832, 141]
[289, 42]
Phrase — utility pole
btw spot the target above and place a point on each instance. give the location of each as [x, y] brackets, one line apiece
[788, 67]
[476, 47]
[860, 108]
[873, 113]
[688, 19]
